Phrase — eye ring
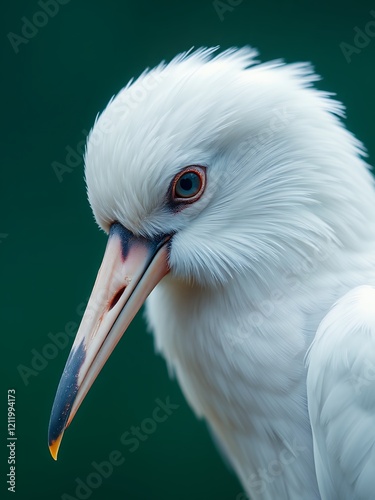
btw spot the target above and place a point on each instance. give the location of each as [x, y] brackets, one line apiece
[189, 188]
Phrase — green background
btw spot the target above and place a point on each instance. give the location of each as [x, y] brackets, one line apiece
[51, 92]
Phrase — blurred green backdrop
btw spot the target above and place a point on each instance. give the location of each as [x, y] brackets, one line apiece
[54, 81]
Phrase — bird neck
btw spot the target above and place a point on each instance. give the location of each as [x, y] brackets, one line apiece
[242, 370]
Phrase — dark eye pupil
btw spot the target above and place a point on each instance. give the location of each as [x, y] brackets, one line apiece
[186, 183]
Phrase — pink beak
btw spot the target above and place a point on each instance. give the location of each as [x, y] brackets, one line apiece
[131, 268]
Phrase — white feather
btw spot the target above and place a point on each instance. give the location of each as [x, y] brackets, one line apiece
[341, 395]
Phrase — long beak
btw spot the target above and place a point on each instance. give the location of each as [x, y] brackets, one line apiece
[131, 268]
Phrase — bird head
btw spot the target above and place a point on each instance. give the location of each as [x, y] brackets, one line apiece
[206, 168]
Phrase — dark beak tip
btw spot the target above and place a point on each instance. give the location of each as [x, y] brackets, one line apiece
[64, 399]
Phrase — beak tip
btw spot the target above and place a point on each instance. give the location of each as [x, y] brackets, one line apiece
[55, 445]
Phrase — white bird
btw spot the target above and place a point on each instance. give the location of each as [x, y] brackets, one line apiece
[233, 191]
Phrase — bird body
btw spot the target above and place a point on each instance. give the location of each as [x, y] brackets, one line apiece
[245, 373]
[281, 227]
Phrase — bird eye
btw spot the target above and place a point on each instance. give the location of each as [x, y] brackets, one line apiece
[189, 184]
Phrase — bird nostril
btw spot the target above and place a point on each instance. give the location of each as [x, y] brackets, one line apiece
[116, 298]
